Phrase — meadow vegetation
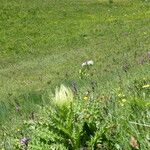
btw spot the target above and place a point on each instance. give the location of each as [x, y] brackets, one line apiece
[51, 98]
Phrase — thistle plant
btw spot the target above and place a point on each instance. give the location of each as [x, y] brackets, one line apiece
[57, 126]
[64, 122]
[63, 96]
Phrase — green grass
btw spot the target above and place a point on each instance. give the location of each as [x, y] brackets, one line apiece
[44, 43]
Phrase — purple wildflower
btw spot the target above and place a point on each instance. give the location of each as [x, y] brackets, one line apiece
[25, 141]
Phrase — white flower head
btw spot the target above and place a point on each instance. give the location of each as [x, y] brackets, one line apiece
[88, 63]
[63, 96]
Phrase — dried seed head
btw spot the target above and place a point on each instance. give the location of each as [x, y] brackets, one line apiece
[134, 143]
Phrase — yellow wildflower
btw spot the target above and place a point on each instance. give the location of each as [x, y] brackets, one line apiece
[146, 86]
[121, 95]
[124, 100]
[85, 98]
[18, 130]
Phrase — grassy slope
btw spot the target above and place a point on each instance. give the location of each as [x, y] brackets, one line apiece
[41, 33]
[45, 42]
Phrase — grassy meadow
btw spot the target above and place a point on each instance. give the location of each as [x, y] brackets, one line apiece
[48, 101]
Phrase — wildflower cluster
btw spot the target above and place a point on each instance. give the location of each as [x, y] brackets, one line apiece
[83, 72]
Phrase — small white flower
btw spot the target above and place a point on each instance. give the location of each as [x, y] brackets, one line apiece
[88, 63]
[84, 64]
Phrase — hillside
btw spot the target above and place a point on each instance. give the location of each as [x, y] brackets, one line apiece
[44, 43]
